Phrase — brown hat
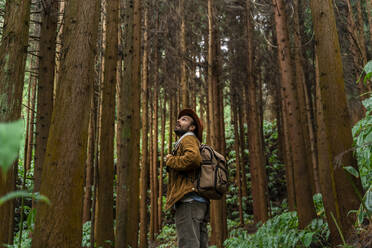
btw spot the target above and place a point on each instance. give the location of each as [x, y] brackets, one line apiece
[199, 126]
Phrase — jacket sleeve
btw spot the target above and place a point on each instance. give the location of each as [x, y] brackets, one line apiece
[191, 157]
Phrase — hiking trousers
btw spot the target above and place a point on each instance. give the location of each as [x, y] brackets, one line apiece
[191, 224]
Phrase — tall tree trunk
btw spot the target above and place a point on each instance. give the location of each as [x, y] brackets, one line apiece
[59, 225]
[301, 97]
[145, 158]
[13, 53]
[237, 153]
[104, 228]
[127, 212]
[184, 91]
[334, 132]
[217, 207]
[303, 184]
[45, 89]
[160, 197]
[256, 155]
[155, 130]
[242, 147]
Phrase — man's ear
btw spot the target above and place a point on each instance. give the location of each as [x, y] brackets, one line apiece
[192, 128]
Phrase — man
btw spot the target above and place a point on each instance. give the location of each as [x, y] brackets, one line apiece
[192, 210]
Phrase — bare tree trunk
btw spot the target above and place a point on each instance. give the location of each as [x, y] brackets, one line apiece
[237, 153]
[45, 90]
[160, 197]
[255, 146]
[334, 133]
[145, 157]
[184, 91]
[301, 96]
[66, 149]
[127, 212]
[303, 184]
[13, 53]
[104, 228]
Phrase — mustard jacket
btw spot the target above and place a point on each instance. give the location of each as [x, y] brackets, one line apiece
[182, 169]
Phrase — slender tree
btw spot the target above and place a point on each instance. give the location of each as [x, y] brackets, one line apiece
[104, 227]
[127, 205]
[144, 148]
[255, 143]
[45, 87]
[303, 184]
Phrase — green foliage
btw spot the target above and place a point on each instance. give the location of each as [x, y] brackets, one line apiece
[86, 234]
[281, 232]
[168, 236]
[362, 132]
[11, 135]
[368, 70]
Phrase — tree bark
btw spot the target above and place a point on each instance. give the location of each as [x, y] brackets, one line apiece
[45, 89]
[127, 212]
[162, 154]
[184, 91]
[218, 219]
[303, 184]
[145, 158]
[104, 228]
[59, 225]
[334, 125]
[13, 53]
[237, 153]
[255, 146]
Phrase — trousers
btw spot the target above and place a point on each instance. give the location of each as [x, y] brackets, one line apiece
[191, 224]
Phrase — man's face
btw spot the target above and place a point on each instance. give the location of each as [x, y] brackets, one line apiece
[183, 125]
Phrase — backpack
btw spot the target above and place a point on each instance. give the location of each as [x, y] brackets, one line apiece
[212, 179]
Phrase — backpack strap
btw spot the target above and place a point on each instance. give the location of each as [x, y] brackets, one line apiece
[177, 145]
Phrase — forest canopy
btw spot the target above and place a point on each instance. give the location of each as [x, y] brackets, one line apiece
[90, 93]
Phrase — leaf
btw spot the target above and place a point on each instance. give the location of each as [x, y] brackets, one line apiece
[368, 201]
[10, 138]
[18, 194]
[352, 171]
[368, 70]
[308, 238]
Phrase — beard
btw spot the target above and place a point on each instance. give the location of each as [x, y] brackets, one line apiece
[180, 132]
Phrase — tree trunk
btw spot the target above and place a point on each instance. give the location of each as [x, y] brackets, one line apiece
[217, 207]
[301, 96]
[13, 53]
[184, 91]
[145, 157]
[59, 225]
[242, 147]
[127, 212]
[256, 155]
[155, 137]
[303, 184]
[45, 89]
[334, 132]
[160, 197]
[237, 152]
[104, 228]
